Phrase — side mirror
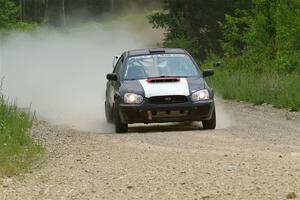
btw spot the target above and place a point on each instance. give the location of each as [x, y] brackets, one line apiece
[112, 77]
[115, 60]
[208, 72]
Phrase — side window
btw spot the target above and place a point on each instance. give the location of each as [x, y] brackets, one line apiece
[119, 65]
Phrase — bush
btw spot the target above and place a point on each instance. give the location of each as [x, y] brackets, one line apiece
[267, 37]
[9, 16]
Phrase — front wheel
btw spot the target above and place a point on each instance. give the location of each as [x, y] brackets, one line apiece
[120, 127]
[210, 124]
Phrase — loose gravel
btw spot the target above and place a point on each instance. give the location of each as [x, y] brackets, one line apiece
[256, 157]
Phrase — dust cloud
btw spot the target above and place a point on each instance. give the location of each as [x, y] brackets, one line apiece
[224, 120]
[61, 74]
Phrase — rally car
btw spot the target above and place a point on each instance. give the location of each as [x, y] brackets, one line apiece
[156, 86]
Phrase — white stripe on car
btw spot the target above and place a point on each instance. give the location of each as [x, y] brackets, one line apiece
[165, 88]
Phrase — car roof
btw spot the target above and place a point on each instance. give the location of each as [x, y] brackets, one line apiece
[140, 52]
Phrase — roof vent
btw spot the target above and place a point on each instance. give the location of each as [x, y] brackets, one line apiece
[157, 51]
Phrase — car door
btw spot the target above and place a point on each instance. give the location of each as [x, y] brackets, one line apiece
[113, 86]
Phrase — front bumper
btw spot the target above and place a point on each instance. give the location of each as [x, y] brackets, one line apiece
[160, 113]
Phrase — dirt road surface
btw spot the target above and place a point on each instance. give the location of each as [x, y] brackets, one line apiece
[256, 157]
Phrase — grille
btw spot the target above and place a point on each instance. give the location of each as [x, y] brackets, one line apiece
[167, 99]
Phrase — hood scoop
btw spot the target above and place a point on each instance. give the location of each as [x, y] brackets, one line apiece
[163, 80]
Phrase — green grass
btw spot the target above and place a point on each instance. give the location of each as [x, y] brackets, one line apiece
[18, 152]
[280, 90]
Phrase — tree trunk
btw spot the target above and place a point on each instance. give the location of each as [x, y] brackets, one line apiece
[21, 10]
[24, 10]
[33, 11]
[112, 5]
[63, 22]
[46, 15]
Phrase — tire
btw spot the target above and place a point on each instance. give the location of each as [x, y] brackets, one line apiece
[210, 124]
[120, 127]
[108, 113]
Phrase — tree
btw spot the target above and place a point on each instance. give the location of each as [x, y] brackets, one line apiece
[57, 13]
[267, 36]
[8, 14]
[46, 13]
[63, 12]
[196, 20]
[33, 10]
[112, 5]
[60, 12]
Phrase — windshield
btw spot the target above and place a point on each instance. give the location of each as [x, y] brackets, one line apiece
[161, 65]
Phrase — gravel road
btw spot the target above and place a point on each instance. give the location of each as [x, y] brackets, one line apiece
[256, 157]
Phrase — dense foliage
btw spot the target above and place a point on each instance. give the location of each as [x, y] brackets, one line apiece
[257, 41]
[262, 54]
[194, 24]
[269, 39]
[9, 16]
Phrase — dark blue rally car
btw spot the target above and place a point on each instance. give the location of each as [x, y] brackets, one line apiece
[156, 86]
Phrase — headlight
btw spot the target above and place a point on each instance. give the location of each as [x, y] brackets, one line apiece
[131, 98]
[200, 95]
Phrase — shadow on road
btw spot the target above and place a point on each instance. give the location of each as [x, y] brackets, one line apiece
[168, 127]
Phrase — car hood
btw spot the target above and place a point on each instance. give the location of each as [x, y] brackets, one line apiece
[184, 86]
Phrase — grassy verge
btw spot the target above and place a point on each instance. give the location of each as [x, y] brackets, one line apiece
[18, 152]
[276, 89]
